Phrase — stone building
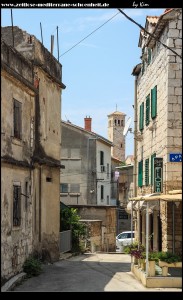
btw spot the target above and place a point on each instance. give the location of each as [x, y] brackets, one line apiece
[116, 125]
[87, 160]
[158, 129]
[30, 134]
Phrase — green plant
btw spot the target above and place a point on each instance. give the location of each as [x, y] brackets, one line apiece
[153, 256]
[169, 257]
[71, 220]
[32, 267]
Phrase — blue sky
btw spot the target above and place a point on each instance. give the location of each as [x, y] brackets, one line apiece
[97, 72]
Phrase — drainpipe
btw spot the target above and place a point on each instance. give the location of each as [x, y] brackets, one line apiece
[147, 238]
[135, 158]
[173, 227]
[135, 142]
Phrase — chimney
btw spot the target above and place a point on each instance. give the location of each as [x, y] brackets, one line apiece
[88, 121]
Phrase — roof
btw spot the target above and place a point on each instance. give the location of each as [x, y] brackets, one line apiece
[93, 134]
[157, 24]
[161, 23]
[117, 113]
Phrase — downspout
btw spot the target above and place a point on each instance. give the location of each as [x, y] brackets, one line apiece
[40, 194]
[135, 158]
[135, 141]
[147, 238]
[173, 227]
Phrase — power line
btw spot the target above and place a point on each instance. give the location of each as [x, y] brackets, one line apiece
[152, 35]
[89, 34]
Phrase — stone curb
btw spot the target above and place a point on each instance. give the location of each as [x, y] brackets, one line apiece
[14, 280]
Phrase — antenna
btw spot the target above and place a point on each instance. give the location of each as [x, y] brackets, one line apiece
[126, 129]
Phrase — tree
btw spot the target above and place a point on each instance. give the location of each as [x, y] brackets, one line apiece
[69, 219]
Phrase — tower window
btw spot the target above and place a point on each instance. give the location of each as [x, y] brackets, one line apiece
[121, 145]
[121, 122]
[115, 122]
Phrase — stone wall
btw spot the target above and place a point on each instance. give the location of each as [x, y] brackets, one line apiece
[166, 215]
[163, 135]
[108, 216]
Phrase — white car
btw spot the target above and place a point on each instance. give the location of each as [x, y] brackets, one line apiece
[125, 238]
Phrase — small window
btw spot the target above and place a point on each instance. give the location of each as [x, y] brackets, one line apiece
[119, 122]
[102, 192]
[101, 158]
[17, 114]
[48, 179]
[74, 188]
[64, 188]
[16, 205]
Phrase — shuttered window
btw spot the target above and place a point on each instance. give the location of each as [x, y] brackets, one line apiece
[152, 168]
[17, 116]
[154, 102]
[141, 117]
[149, 56]
[140, 173]
[16, 205]
[147, 172]
[147, 110]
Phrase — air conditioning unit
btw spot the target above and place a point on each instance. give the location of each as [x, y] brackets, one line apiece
[102, 168]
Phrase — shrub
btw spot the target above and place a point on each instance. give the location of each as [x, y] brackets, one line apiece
[169, 257]
[32, 267]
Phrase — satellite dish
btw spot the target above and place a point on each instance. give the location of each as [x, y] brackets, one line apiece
[126, 129]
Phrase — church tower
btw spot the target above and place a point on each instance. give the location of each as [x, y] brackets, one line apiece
[116, 124]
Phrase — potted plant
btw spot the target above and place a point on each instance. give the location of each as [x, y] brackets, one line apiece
[168, 259]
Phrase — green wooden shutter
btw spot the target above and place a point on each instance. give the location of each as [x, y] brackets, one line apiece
[141, 117]
[149, 56]
[154, 102]
[147, 110]
[143, 67]
[152, 168]
[147, 171]
[140, 173]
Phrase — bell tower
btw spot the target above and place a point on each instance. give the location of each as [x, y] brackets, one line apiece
[116, 124]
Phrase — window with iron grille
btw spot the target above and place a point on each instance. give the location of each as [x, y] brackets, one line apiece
[147, 172]
[154, 102]
[147, 110]
[16, 205]
[141, 117]
[17, 114]
[64, 188]
[140, 173]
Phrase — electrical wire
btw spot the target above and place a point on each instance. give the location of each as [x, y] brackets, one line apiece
[89, 34]
[152, 35]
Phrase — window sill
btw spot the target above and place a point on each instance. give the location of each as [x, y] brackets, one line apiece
[74, 194]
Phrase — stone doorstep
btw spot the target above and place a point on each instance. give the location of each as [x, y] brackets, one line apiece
[13, 281]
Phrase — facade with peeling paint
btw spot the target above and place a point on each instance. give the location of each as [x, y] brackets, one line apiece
[31, 112]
